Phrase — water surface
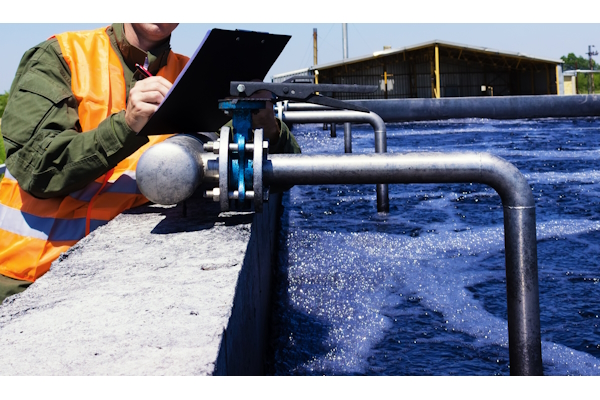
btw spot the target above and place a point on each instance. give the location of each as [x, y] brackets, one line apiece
[421, 290]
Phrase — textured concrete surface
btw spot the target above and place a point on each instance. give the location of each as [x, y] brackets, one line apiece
[153, 292]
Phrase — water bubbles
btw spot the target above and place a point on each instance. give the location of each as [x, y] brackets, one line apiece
[362, 288]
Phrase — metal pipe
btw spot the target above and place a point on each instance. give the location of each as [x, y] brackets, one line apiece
[347, 137]
[498, 107]
[519, 218]
[171, 171]
[288, 106]
[345, 40]
[179, 164]
[333, 116]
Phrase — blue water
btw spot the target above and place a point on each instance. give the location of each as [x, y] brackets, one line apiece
[421, 291]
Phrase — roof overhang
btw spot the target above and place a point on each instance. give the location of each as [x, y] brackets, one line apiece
[388, 52]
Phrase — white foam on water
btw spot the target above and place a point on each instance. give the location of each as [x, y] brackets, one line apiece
[346, 281]
[590, 176]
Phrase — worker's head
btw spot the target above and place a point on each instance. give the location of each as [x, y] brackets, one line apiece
[148, 36]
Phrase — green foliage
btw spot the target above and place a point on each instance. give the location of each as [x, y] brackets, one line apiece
[577, 62]
[583, 83]
[3, 101]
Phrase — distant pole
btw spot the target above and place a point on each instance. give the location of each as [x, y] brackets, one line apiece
[314, 46]
[590, 54]
[345, 39]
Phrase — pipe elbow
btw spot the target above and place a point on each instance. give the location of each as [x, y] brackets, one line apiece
[507, 180]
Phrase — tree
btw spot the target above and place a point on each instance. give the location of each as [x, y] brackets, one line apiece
[3, 100]
[572, 62]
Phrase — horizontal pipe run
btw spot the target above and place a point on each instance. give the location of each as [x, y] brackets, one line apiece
[519, 218]
[497, 107]
[342, 116]
[418, 167]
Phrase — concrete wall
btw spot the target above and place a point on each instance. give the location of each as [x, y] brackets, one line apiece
[155, 292]
[245, 342]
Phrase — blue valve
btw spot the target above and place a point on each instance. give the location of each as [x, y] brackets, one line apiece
[241, 166]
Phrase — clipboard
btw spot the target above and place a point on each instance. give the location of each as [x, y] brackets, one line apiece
[192, 103]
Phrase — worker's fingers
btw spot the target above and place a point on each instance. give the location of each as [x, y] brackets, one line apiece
[155, 85]
[151, 97]
[144, 99]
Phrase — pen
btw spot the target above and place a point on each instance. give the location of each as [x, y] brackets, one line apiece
[143, 70]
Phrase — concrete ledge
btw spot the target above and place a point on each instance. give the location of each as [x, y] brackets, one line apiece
[153, 292]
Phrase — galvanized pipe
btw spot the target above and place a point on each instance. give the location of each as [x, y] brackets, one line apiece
[333, 116]
[177, 166]
[333, 130]
[519, 218]
[497, 107]
[288, 106]
[347, 137]
[171, 171]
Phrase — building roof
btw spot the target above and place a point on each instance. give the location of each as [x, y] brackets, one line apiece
[388, 52]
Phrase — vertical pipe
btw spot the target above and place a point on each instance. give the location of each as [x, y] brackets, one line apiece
[437, 72]
[520, 241]
[315, 46]
[383, 200]
[347, 137]
[522, 291]
[345, 39]
[333, 130]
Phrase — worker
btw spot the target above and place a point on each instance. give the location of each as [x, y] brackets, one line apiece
[75, 106]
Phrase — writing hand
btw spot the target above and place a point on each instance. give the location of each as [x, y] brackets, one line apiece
[144, 99]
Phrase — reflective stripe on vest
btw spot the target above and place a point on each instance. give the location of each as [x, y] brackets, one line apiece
[34, 232]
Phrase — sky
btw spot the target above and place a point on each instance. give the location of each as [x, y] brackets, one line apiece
[532, 28]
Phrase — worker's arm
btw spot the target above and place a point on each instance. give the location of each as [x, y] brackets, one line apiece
[46, 151]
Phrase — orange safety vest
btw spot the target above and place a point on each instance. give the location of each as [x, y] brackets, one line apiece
[34, 232]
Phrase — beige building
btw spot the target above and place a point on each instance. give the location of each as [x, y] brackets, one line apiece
[570, 82]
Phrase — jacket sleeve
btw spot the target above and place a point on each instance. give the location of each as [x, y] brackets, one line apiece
[287, 143]
[45, 149]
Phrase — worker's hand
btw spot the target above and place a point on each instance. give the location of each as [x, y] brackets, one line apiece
[144, 99]
[265, 118]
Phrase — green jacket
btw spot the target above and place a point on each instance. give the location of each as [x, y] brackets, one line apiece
[45, 148]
